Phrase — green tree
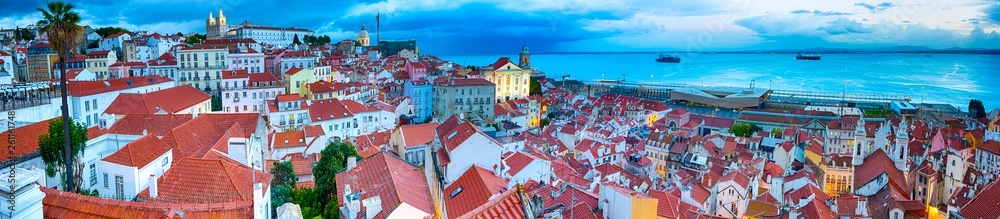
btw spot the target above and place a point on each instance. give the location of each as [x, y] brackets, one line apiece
[308, 202]
[191, 40]
[976, 109]
[744, 129]
[51, 146]
[282, 184]
[108, 31]
[59, 21]
[776, 130]
[295, 40]
[216, 104]
[536, 87]
[179, 34]
[23, 34]
[333, 159]
[544, 122]
[326, 39]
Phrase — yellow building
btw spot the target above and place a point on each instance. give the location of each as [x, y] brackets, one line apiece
[644, 206]
[511, 81]
[839, 175]
[296, 80]
[99, 61]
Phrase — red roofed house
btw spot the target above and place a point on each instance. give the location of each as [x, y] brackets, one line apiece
[411, 141]
[127, 69]
[235, 94]
[416, 70]
[129, 170]
[211, 181]
[99, 61]
[288, 111]
[733, 193]
[383, 186]
[370, 144]
[89, 99]
[520, 167]
[285, 143]
[988, 157]
[176, 100]
[80, 74]
[474, 188]
[113, 41]
[468, 145]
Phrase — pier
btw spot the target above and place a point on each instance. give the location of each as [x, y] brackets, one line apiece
[662, 92]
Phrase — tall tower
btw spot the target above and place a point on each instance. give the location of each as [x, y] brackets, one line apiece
[525, 58]
[210, 26]
[363, 37]
[901, 149]
[222, 19]
[860, 145]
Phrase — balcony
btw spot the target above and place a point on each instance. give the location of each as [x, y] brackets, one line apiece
[236, 99]
[197, 78]
[301, 121]
[283, 123]
[184, 79]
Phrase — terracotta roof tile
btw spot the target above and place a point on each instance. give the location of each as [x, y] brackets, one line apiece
[328, 109]
[60, 204]
[85, 88]
[139, 153]
[154, 124]
[518, 161]
[471, 190]
[509, 205]
[418, 134]
[196, 180]
[234, 74]
[370, 144]
[170, 100]
[288, 139]
[390, 178]
[26, 138]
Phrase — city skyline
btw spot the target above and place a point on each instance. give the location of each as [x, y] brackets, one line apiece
[492, 27]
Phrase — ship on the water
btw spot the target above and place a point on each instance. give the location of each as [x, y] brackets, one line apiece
[668, 59]
[807, 57]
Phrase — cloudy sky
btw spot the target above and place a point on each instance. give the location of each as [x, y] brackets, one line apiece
[455, 27]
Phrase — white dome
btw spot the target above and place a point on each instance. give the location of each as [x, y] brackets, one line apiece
[363, 33]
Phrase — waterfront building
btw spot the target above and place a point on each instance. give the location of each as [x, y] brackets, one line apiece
[511, 81]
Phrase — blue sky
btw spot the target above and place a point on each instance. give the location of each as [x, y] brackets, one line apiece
[456, 27]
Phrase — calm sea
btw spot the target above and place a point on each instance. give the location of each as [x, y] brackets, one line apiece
[941, 78]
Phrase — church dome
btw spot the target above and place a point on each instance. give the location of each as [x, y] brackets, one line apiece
[363, 33]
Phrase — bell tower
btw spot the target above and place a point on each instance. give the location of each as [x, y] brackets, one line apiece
[901, 149]
[525, 58]
[222, 18]
[860, 145]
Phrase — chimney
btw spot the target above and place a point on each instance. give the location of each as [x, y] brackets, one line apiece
[152, 186]
[145, 132]
[351, 162]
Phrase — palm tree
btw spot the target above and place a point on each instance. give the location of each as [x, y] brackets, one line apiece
[60, 23]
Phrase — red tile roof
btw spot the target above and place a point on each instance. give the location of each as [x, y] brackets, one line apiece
[876, 164]
[95, 131]
[139, 153]
[234, 74]
[508, 205]
[288, 139]
[98, 54]
[327, 109]
[288, 97]
[667, 205]
[984, 204]
[60, 204]
[85, 88]
[197, 180]
[371, 144]
[170, 100]
[500, 63]
[208, 132]
[26, 138]
[292, 71]
[264, 78]
[452, 133]
[153, 124]
[418, 134]
[471, 190]
[518, 161]
[390, 178]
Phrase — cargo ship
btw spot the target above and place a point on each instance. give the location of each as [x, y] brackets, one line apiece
[668, 59]
[807, 57]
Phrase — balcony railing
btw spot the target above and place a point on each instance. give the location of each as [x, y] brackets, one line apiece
[236, 99]
[283, 123]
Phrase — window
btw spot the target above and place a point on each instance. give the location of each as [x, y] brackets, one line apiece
[93, 175]
[166, 161]
[105, 180]
[120, 187]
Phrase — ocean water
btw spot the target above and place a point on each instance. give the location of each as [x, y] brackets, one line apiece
[941, 78]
